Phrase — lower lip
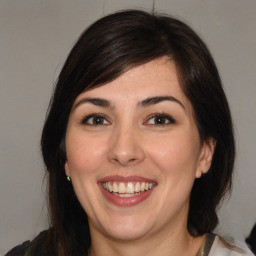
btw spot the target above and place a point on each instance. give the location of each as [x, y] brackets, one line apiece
[126, 201]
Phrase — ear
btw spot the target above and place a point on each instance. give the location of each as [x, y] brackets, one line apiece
[67, 169]
[205, 158]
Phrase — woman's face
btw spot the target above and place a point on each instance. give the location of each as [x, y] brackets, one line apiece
[133, 152]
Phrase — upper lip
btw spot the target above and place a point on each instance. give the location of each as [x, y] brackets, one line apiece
[126, 179]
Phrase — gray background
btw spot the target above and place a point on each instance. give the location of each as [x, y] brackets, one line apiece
[35, 38]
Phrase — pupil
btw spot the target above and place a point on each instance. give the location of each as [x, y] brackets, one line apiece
[160, 120]
[97, 120]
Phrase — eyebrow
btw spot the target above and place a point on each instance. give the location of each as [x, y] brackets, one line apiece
[95, 101]
[145, 103]
[157, 99]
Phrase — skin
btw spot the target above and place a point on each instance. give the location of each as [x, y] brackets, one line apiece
[134, 143]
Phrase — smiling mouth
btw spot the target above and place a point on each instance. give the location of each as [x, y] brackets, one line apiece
[128, 189]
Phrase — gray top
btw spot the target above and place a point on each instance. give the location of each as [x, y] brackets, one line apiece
[214, 245]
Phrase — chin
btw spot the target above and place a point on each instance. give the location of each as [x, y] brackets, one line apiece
[127, 233]
[126, 228]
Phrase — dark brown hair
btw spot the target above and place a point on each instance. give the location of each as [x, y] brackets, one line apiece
[105, 50]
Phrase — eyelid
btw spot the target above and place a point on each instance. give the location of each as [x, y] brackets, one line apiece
[170, 119]
[85, 118]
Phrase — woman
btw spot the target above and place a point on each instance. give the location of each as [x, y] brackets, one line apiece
[138, 144]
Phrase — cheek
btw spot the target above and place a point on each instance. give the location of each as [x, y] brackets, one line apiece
[84, 155]
[175, 154]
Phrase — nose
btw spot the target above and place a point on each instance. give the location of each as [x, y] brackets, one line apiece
[125, 147]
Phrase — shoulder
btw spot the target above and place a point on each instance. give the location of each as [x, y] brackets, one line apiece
[36, 247]
[227, 247]
[19, 250]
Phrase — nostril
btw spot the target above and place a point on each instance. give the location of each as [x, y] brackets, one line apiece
[124, 161]
[124, 152]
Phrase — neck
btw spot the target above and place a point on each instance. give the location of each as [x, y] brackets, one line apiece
[176, 243]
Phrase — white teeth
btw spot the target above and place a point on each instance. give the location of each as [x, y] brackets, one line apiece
[130, 188]
[109, 186]
[142, 186]
[124, 195]
[137, 187]
[127, 189]
[115, 187]
[121, 188]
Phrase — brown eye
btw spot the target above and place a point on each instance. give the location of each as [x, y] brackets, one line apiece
[160, 119]
[95, 120]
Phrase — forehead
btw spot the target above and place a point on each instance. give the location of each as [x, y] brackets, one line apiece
[155, 78]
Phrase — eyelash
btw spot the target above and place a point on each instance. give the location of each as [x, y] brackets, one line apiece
[167, 118]
[85, 119]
